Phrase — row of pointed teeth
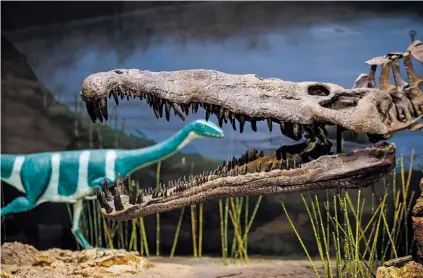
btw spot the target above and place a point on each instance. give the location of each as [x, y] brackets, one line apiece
[98, 110]
[231, 169]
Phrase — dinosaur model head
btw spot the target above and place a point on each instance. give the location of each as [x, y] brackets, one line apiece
[204, 129]
[302, 110]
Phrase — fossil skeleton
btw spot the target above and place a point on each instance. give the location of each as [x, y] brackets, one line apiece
[302, 109]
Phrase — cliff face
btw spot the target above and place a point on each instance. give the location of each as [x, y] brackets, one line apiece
[25, 124]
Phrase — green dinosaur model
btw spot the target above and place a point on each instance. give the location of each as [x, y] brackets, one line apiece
[300, 109]
[71, 176]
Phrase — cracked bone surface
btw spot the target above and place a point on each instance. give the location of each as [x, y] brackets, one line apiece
[359, 168]
[301, 109]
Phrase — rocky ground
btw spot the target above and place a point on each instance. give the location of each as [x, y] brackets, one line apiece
[24, 261]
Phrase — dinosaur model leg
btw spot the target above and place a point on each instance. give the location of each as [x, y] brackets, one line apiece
[19, 204]
[77, 209]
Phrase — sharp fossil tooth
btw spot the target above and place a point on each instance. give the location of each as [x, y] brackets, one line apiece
[117, 200]
[207, 107]
[121, 91]
[254, 125]
[90, 110]
[156, 110]
[269, 124]
[139, 198]
[289, 163]
[160, 107]
[241, 123]
[178, 111]
[268, 166]
[97, 111]
[221, 112]
[156, 192]
[103, 202]
[115, 96]
[167, 110]
[226, 114]
[106, 191]
[194, 107]
[281, 164]
[185, 107]
[220, 121]
[133, 193]
[258, 168]
[149, 99]
[233, 123]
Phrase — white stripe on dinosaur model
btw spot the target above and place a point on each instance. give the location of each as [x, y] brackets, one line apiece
[15, 178]
[53, 185]
[110, 165]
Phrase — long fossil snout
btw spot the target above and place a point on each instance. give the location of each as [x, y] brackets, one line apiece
[359, 168]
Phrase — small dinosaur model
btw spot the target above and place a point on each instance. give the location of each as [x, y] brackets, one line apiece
[301, 109]
[71, 176]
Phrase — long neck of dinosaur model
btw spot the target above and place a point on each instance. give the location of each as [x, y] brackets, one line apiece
[127, 161]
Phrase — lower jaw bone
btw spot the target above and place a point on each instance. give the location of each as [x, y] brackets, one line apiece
[359, 168]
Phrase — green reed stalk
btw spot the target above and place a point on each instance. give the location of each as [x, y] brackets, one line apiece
[200, 231]
[301, 241]
[390, 236]
[121, 242]
[144, 236]
[107, 233]
[159, 164]
[222, 232]
[246, 222]
[101, 231]
[141, 238]
[226, 225]
[133, 240]
[89, 219]
[178, 229]
[193, 231]
[236, 226]
[337, 240]
[250, 223]
[233, 215]
[96, 231]
[316, 233]
[325, 240]
[68, 206]
[238, 208]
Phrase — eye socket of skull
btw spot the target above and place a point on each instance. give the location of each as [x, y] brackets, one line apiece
[318, 90]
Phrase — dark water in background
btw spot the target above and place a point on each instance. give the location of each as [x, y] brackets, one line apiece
[297, 42]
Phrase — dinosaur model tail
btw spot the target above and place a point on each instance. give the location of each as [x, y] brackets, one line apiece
[10, 170]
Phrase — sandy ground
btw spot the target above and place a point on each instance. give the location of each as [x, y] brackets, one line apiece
[214, 268]
[24, 261]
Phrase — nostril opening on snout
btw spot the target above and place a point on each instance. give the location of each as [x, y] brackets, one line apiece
[318, 90]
